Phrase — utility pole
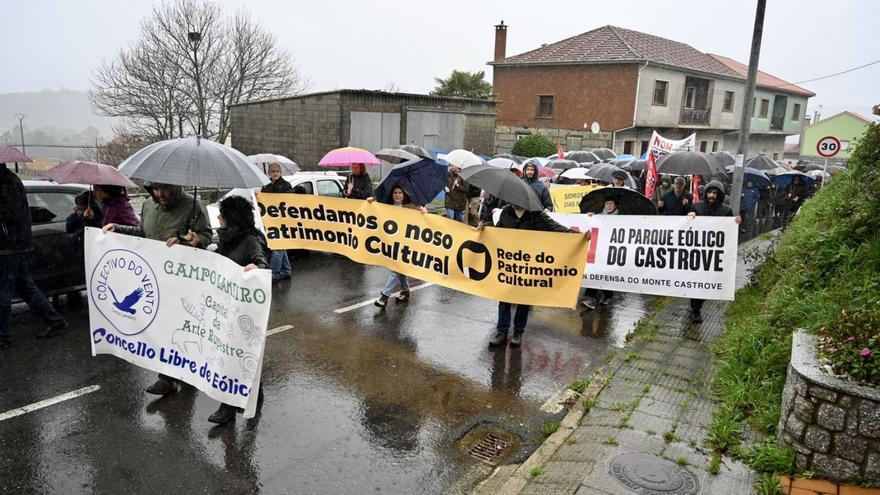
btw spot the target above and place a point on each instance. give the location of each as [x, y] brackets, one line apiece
[745, 124]
[20, 117]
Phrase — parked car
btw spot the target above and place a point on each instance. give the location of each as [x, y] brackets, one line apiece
[57, 262]
[319, 183]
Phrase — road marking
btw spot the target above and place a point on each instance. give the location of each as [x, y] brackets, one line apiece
[48, 402]
[371, 301]
[282, 328]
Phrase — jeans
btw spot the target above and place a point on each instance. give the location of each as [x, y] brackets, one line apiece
[519, 319]
[15, 277]
[279, 263]
[457, 215]
[393, 279]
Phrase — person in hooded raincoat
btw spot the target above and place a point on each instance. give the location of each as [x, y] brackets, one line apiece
[530, 175]
[711, 206]
[169, 217]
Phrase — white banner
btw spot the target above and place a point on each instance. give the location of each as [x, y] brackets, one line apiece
[180, 311]
[660, 145]
[663, 255]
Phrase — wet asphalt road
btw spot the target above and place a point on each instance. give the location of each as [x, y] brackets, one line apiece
[362, 401]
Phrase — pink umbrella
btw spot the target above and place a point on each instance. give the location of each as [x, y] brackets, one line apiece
[80, 172]
[343, 157]
[8, 154]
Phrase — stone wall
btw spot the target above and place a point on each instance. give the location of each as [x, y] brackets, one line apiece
[572, 140]
[832, 424]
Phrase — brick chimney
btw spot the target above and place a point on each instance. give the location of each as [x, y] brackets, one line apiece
[500, 41]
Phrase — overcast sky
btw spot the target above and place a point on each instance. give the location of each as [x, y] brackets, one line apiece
[368, 44]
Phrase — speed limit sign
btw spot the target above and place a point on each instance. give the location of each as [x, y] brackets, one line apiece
[828, 147]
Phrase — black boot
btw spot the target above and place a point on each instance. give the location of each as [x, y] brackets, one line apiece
[224, 414]
[161, 387]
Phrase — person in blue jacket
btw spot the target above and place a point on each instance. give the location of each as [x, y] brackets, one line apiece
[748, 202]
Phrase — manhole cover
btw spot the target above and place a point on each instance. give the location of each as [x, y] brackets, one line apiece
[651, 475]
[491, 445]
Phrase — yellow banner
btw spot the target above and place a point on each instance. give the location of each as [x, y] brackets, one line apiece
[567, 199]
[539, 268]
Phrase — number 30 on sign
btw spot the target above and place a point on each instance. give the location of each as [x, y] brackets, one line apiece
[828, 146]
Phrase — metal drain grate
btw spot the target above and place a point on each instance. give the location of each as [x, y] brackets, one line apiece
[491, 449]
[648, 474]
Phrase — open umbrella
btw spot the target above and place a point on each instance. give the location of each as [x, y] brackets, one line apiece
[546, 172]
[605, 173]
[579, 173]
[263, 160]
[503, 185]
[396, 155]
[818, 173]
[505, 163]
[638, 165]
[689, 163]
[759, 177]
[629, 202]
[415, 150]
[193, 161]
[725, 158]
[462, 158]
[562, 164]
[604, 153]
[508, 156]
[345, 157]
[622, 159]
[783, 180]
[761, 162]
[9, 154]
[775, 171]
[422, 179]
[812, 166]
[81, 172]
[582, 157]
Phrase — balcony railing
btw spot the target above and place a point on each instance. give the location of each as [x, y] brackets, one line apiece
[694, 116]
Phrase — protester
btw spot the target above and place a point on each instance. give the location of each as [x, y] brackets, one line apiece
[86, 213]
[750, 196]
[514, 217]
[473, 208]
[664, 187]
[677, 201]
[115, 207]
[15, 243]
[244, 244]
[530, 175]
[711, 206]
[456, 194]
[358, 184]
[279, 262]
[600, 296]
[795, 194]
[398, 197]
[169, 217]
[618, 178]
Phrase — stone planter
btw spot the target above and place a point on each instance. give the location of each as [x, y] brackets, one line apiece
[832, 424]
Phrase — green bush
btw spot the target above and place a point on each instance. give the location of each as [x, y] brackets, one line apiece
[534, 145]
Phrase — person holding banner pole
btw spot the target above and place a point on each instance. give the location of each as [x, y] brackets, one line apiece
[515, 217]
[169, 218]
[399, 197]
[243, 243]
[677, 201]
[711, 206]
[600, 296]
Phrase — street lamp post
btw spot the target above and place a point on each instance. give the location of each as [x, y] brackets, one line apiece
[20, 117]
[195, 38]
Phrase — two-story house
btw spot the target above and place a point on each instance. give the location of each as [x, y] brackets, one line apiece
[631, 84]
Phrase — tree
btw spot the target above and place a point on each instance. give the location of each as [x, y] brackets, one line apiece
[169, 84]
[534, 145]
[464, 84]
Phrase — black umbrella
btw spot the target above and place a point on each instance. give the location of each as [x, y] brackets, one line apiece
[629, 202]
[638, 165]
[812, 166]
[508, 156]
[761, 162]
[503, 185]
[725, 158]
[605, 173]
[604, 153]
[689, 163]
[583, 157]
[416, 150]
[562, 164]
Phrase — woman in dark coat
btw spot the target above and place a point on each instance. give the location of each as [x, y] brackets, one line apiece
[358, 184]
[244, 244]
[115, 207]
[279, 262]
[79, 218]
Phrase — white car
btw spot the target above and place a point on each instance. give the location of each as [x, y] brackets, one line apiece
[320, 183]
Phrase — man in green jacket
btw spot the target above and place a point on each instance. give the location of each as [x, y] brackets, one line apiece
[169, 217]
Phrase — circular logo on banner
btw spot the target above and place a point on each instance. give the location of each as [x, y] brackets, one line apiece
[124, 289]
[477, 249]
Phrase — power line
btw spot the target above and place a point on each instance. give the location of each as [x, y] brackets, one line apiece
[829, 75]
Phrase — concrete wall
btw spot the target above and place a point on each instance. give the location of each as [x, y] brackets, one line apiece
[302, 129]
[571, 139]
[582, 94]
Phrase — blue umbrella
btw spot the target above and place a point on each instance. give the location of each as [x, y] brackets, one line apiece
[783, 180]
[622, 159]
[757, 176]
[422, 179]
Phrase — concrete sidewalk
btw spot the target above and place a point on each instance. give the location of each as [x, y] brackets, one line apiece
[642, 424]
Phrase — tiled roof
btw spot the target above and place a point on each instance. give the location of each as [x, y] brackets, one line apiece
[763, 80]
[610, 44]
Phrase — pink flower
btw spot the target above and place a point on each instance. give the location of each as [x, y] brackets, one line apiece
[850, 338]
[865, 352]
